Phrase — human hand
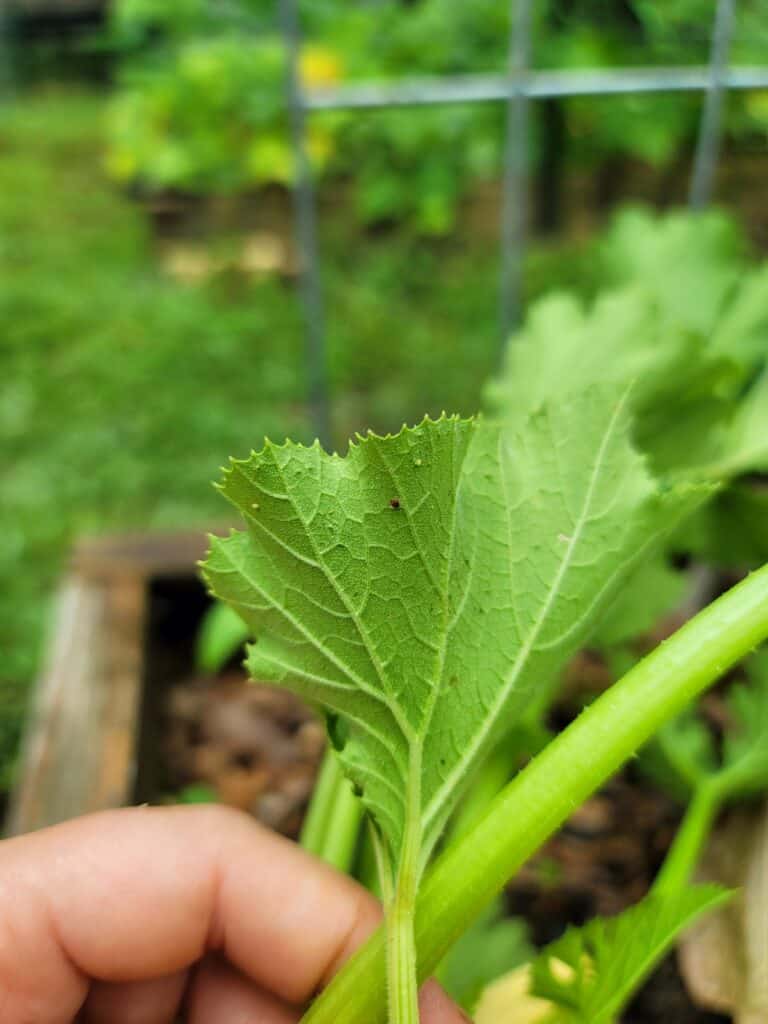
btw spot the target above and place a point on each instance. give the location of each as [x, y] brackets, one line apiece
[136, 916]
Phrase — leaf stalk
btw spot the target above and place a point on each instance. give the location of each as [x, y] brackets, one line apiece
[683, 856]
[402, 980]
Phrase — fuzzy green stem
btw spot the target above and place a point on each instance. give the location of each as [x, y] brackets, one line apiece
[383, 886]
[366, 868]
[343, 829]
[495, 772]
[683, 855]
[544, 794]
[401, 955]
[402, 983]
[313, 830]
[332, 825]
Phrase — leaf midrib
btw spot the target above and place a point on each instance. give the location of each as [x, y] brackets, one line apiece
[432, 810]
[385, 697]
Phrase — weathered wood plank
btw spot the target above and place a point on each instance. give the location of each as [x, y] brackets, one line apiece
[63, 741]
[146, 554]
[80, 746]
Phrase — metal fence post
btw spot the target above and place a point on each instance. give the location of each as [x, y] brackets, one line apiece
[305, 213]
[710, 130]
[515, 183]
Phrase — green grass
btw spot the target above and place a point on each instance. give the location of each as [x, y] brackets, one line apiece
[124, 391]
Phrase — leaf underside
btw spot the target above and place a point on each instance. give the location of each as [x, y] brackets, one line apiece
[420, 587]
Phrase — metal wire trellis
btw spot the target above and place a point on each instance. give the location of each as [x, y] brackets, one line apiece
[305, 215]
[517, 88]
[705, 161]
[515, 187]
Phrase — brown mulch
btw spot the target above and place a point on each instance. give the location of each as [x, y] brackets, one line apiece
[258, 748]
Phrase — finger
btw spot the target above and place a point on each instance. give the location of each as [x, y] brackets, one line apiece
[141, 893]
[436, 1008]
[135, 1002]
[222, 994]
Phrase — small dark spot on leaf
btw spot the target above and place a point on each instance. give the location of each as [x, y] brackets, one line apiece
[453, 681]
[394, 503]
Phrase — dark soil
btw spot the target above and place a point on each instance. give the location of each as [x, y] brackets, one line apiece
[257, 748]
[253, 747]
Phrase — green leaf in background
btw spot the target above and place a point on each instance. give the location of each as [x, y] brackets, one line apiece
[422, 586]
[733, 529]
[608, 958]
[490, 948]
[745, 447]
[681, 755]
[690, 264]
[222, 633]
[686, 326]
[197, 793]
[745, 746]
[652, 591]
[680, 394]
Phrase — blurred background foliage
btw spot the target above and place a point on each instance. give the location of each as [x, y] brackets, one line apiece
[149, 326]
[200, 106]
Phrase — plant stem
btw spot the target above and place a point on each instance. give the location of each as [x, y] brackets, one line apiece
[332, 825]
[343, 828]
[402, 983]
[491, 778]
[683, 855]
[401, 954]
[494, 773]
[545, 793]
[316, 821]
[382, 887]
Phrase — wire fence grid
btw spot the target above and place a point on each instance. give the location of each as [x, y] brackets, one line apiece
[517, 88]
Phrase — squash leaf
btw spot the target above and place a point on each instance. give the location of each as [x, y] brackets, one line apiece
[685, 318]
[683, 753]
[606, 960]
[489, 949]
[655, 589]
[420, 588]
[745, 746]
[683, 392]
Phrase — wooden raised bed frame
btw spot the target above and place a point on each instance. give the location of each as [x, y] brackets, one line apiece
[81, 744]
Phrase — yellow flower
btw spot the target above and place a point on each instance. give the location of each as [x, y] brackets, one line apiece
[319, 67]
